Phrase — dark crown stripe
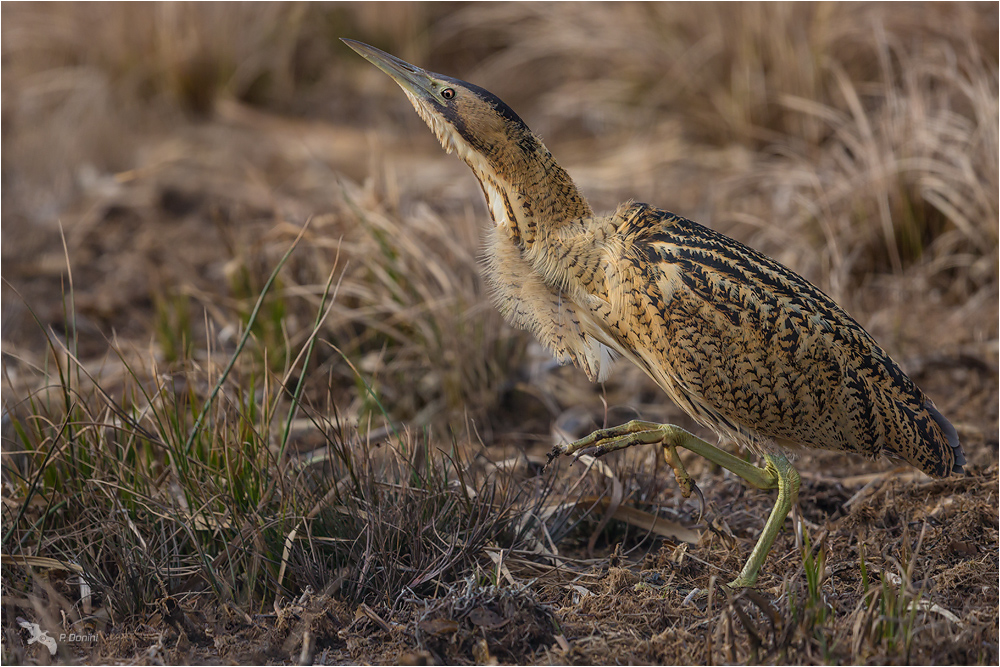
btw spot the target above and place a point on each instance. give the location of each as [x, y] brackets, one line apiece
[498, 104]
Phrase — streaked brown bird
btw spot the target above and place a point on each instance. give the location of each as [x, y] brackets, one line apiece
[747, 347]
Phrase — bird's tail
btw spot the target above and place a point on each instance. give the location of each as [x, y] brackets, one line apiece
[951, 435]
[927, 440]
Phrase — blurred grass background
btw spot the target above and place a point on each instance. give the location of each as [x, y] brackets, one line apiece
[158, 161]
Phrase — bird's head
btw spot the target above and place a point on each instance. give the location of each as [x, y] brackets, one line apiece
[523, 184]
[471, 121]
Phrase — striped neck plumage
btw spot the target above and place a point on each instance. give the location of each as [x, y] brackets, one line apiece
[525, 188]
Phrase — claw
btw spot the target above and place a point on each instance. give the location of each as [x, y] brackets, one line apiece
[684, 481]
[701, 503]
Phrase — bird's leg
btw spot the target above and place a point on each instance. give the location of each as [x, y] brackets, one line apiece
[788, 494]
[606, 440]
[778, 473]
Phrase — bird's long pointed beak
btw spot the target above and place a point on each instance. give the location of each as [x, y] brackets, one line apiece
[409, 77]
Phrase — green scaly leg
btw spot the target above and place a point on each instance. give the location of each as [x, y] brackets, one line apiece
[777, 473]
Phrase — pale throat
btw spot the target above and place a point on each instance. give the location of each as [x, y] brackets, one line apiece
[502, 198]
[501, 205]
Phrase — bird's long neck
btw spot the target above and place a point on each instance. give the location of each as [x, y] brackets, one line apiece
[526, 190]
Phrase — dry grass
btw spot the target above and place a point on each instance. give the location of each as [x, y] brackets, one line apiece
[216, 451]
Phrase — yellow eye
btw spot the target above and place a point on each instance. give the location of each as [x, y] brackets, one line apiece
[448, 93]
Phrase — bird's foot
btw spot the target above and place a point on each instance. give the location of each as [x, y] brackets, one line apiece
[606, 440]
[636, 432]
[684, 481]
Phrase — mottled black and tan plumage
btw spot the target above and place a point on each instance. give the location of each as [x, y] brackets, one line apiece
[751, 349]
[745, 346]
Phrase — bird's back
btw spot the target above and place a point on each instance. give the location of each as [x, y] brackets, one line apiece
[755, 351]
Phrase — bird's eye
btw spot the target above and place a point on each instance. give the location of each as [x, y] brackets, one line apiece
[448, 93]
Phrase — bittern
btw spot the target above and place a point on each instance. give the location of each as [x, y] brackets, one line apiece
[745, 346]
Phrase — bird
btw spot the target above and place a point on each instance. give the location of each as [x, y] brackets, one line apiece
[745, 346]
